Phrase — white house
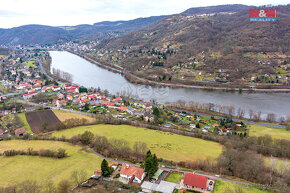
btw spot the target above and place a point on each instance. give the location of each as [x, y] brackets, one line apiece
[132, 174]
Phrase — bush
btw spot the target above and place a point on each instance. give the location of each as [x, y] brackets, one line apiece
[117, 175]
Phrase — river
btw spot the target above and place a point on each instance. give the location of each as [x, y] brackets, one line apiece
[90, 75]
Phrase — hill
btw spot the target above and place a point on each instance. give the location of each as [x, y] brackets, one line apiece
[207, 45]
[41, 34]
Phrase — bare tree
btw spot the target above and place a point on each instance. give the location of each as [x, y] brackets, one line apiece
[231, 110]
[64, 186]
[251, 113]
[241, 112]
[78, 176]
[271, 117]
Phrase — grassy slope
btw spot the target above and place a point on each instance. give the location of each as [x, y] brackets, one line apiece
[19, 168]
[63, 115]
[222, 186]
[23, 119]
[276, 133]
[166, 145]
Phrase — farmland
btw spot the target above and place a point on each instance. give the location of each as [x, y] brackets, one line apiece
[63, 116]
[222, 186]
[47, 168]
[166, 145]
[40, 121]
[276, 133]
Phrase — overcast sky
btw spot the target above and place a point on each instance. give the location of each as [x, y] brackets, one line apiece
[72, 12]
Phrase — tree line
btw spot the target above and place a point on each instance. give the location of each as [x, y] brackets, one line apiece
[60, 153]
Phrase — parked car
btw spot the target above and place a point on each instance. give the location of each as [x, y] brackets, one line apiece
[211, 182]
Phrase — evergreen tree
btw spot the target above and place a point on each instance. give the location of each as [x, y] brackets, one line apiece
[148, 161]
[151, 164]
[156, 112]
[105, 168]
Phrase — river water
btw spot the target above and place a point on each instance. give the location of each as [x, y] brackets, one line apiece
[90, 75]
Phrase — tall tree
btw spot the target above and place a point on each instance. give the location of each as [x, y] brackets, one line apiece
[105, 168]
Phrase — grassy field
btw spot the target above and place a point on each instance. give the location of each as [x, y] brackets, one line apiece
[63, 115]
[24, 121]
[166, 145]
[276, 133]
[20, 168]
[222, 186]
[174, 177]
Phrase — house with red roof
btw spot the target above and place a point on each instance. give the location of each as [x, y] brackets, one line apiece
[196, 182]
[60, 103]
[132, 174]
[20, 131]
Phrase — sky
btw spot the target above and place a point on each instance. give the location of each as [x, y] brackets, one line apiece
[15, 13]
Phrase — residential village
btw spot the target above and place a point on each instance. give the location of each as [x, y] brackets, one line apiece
[30, 84]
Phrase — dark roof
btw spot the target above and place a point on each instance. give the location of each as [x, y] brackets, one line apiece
[195, 180]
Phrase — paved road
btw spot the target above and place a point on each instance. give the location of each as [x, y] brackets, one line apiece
[47, 75]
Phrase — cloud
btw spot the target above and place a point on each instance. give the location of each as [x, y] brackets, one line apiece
[73, 12]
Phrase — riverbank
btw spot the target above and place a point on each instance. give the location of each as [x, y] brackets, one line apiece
[138, 80]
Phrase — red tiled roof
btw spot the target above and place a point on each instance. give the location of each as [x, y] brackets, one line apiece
[195, 180]
[98, 172]
[20, 131]
[131, 170]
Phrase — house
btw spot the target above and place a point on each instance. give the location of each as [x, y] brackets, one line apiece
[148, 116]
[29, 95]
[98, 172]
[167, 125]
[60, 103]
[196, 182]
[55, 88]
[2, 132]
[132, 174]
[192, 126]
[206, 127]
[215, 125]
[20, 132]
[123, 108]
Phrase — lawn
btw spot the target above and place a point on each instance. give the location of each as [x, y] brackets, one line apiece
[174, 177]
[222, 186]
[166, 145]
[24, 121]
[29, 63]
[63, 115]
[18, 168]
[276, 133]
